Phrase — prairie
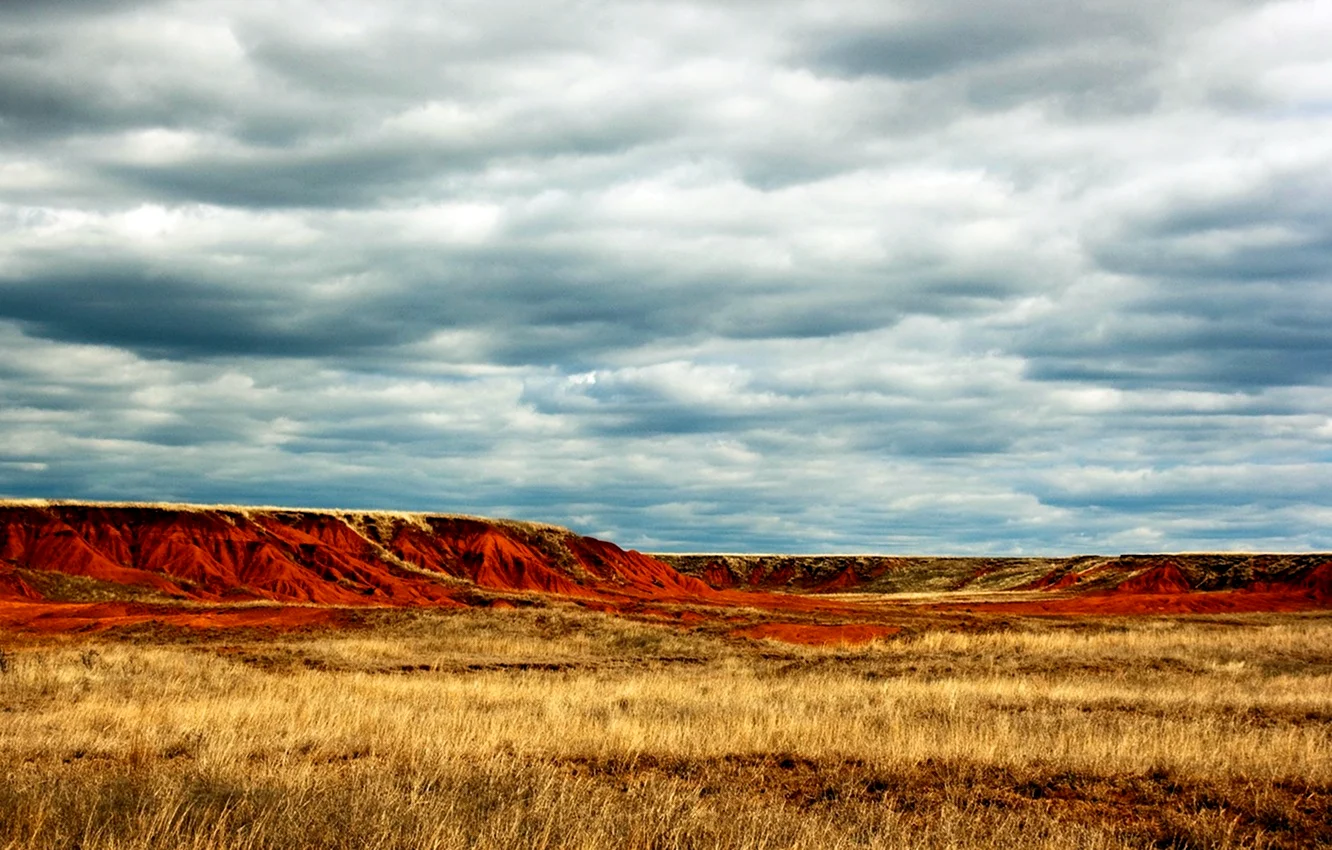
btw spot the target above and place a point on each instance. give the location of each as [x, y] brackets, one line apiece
[563, 727]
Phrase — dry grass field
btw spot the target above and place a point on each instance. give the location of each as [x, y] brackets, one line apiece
[565, 728]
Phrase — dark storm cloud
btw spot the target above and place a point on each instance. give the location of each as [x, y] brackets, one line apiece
[531, 319]
[338, 173]
[1025, 49]
[1233, 292]
[328, 178]
[127, 308]
[920, 49]
[1271, 227]
[905, 276]
[22, 10]
[1225, 337]
[53, 87]
[534, 306]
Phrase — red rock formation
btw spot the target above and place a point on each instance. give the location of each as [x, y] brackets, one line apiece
[633, 573]
[844, 580]
[716, 575]
[14, 587]
[1315, 584]
[1057, 579]
[322, 557]
[1318, 582]
[214, 554]
[1165, 578]
[204, 556]
[483, 553]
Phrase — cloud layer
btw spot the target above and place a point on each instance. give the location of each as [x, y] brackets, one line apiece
[914, 277]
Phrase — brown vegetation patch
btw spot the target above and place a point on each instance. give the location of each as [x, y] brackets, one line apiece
[816, 634]
[560, 727]
[1154, 808]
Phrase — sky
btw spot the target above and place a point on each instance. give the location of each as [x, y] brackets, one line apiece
[934, 276]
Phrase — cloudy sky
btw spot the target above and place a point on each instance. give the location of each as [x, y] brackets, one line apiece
[921, 276]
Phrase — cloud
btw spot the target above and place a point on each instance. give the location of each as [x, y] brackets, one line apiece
[908, 277]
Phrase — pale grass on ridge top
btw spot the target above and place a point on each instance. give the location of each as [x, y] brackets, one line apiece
[417, 518]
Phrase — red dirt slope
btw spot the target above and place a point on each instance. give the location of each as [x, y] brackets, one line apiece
[1081, 574]
[77, 566]
[1165, 578]
[208, 555]
[14, 587]
[329, 558]
[1140, 604]
[1316, 584]
[100, 616]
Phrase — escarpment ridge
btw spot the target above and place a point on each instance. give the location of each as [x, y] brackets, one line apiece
[80, 565]
[64, 550]
[1137, 583]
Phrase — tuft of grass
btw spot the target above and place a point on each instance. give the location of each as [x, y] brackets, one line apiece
[563, 728]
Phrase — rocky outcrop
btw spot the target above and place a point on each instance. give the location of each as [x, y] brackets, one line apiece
[214, 554]
[1308, 575]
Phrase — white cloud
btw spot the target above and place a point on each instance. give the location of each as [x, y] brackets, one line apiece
[915, 277]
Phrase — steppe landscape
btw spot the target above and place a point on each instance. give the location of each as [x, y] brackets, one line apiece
[827, 425]
[259, 677]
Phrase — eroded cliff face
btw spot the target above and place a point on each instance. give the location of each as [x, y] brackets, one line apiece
[127, 563]
[216, 554]
[1300, 576]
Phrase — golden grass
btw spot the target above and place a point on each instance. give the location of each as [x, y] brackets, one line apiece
[567, 729]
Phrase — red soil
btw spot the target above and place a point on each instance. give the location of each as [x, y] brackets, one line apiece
[211, 555]
[1164, 589]
[817, 634]
[1055, 580]
[716, 575]
[210, 559]
[635, 574]
[845, 580]
[216, 555]
[1165, 578]
[481, 553]
[1067, 581]
[1316, 584]
[197, 555]
[1127, 605]
[100, 616]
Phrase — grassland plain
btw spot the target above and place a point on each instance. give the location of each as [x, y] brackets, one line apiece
[561, 727]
